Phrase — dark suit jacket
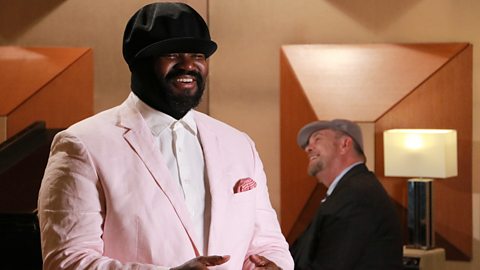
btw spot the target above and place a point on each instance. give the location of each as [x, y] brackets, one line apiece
[357, 227]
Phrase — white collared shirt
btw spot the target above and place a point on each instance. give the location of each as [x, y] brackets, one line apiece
[180, 146]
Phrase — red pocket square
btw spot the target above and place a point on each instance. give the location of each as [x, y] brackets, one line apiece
[244, 185]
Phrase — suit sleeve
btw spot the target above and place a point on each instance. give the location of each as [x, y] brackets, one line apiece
[71, 211]
[268, 240]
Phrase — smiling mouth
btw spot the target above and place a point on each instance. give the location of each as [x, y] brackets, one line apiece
[185, 80]
[312, 157]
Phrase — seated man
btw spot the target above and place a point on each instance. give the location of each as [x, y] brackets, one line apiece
[356, 226]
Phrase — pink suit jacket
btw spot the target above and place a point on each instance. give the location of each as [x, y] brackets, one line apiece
[107, 200]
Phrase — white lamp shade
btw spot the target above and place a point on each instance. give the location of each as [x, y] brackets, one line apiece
[430, 153]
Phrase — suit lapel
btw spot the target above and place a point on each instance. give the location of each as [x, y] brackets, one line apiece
[216, 181]
[140, 138]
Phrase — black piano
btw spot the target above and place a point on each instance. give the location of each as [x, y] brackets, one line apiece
[23, 158]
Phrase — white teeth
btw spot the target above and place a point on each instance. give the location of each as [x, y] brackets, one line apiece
[185, 80]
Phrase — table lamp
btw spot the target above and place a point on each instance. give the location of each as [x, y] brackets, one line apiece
[423, 154]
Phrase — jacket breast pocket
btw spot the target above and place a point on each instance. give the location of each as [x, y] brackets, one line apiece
[245, 197]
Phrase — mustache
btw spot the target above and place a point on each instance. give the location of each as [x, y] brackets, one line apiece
[174, 73]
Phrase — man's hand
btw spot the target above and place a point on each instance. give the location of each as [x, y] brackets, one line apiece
[201, 262]
[263, 263]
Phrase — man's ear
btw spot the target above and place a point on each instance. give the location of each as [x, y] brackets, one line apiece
[346, 144]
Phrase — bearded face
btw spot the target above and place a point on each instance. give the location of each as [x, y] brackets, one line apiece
[183, 91]
[321, 150]
[174, 85]
[181, 77]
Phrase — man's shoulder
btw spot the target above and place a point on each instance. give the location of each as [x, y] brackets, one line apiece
[96, 124]
[215, 124]
[360, 183]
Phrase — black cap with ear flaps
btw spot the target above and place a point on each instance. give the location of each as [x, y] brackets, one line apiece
[165, 28]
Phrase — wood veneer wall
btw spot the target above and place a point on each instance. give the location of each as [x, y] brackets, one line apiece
[54, 85]
[443, 99]
[296, 185]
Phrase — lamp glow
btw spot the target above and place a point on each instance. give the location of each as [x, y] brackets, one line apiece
[420, 152]
[413, 142]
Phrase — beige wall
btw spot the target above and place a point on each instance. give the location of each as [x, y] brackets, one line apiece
[79, 23]
[244, 79]
[244, 74]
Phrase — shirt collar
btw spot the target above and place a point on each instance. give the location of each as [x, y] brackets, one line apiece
[158, 121]
[337, 179]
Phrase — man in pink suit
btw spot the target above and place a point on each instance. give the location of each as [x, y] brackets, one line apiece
[151, 183]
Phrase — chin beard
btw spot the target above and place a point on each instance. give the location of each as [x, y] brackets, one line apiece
[315, 168]
[178, 104]
[158, 94]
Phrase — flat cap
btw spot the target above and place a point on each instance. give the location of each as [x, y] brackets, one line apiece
[346, 126]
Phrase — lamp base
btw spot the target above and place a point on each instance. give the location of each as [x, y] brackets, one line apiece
[433, 259]
[421, 234]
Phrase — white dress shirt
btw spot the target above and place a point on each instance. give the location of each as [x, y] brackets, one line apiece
[180, 146]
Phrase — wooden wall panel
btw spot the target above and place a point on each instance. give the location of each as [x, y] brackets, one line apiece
[54, 85]
[442, 101]
[362, 81]
[3, 128]
[442, 98]
[66, 99]
[296, 185]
